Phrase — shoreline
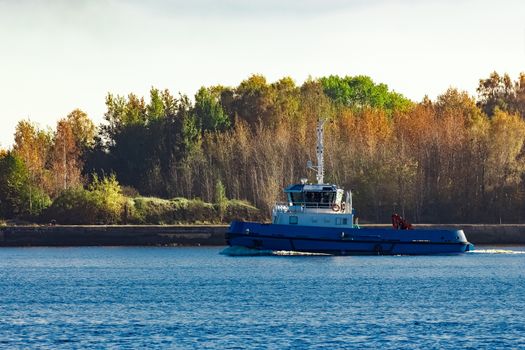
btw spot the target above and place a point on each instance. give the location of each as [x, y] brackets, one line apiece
[205, 235]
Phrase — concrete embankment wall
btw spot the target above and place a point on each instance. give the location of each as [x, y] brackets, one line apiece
[102, 235]
[197, 235]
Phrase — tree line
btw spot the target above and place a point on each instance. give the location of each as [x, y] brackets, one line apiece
[453, 159]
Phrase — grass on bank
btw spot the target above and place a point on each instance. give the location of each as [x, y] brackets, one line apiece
[148, 210]
[78, 207]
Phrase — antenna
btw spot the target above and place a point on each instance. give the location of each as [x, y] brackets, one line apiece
[319, 168]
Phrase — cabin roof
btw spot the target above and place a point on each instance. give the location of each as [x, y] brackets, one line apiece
[310, 188]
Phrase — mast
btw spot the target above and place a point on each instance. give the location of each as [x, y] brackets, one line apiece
[319, 168]
[320, 149]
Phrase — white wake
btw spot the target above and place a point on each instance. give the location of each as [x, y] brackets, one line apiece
[243, 251]
[496, 251]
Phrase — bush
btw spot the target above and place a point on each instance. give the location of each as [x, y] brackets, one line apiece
[151, 211]
[108, 198]
[200, 211]
[40, 201]
[73, 206]
[242, 210]
[102, 203]
[129, 191]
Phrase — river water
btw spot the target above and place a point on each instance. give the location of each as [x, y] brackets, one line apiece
[136, 297]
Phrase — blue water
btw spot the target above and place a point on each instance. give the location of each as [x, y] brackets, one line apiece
[197, 298]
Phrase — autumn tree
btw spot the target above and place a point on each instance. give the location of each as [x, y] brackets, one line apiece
[519, 88]
[506, 164]
[83, 129]
[499, 91]
[33, 146]
[65, 160]
[252, 100]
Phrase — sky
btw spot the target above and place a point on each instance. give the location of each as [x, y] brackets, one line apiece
[59, 55]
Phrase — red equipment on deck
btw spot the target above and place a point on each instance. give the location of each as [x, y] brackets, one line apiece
[400, 224]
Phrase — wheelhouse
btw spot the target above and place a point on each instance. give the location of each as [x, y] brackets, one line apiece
[314, 195]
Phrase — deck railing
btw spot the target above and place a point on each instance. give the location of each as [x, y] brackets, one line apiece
[306, 207]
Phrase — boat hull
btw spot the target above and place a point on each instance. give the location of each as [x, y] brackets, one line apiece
[346, 241]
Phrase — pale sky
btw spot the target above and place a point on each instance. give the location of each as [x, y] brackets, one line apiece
[59, 55]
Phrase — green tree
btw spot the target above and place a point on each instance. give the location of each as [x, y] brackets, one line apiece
[127, 147]
[155, 108]
[208, 111]
[123, 112]
[361, 91]
[18, 196]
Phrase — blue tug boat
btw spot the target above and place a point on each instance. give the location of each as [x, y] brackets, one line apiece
[319, 218]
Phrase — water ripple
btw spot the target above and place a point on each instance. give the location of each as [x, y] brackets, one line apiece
[194, 298]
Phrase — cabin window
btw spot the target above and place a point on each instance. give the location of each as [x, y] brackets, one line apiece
[341, 221]
[293, 220]
[327, 198]
[319, 199]
[297, 198]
